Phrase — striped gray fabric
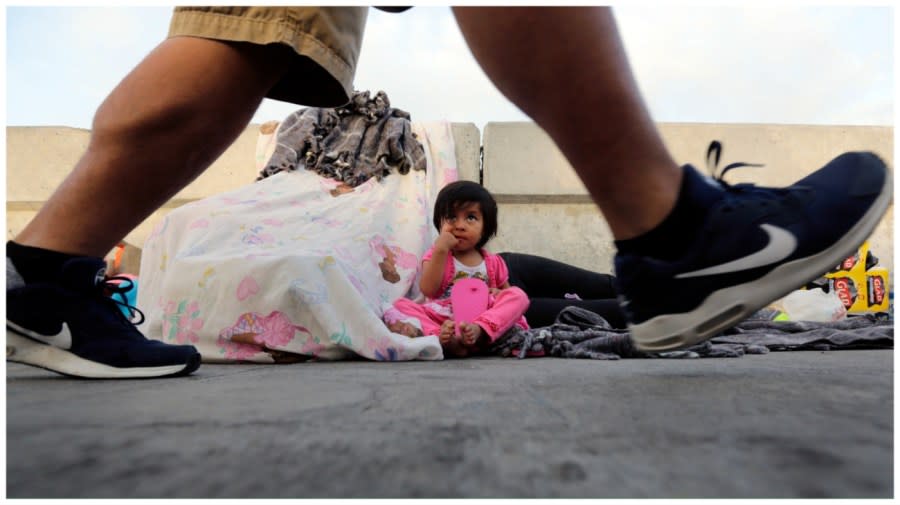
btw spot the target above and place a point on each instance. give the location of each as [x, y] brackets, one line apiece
[365, 138]
[579, 333]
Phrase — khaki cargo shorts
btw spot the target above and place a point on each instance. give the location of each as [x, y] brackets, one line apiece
[326, 39]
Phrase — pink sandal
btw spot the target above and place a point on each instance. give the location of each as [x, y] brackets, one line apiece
[469, 298]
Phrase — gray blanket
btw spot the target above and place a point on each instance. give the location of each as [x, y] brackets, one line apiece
[579, 333]
[363, 139]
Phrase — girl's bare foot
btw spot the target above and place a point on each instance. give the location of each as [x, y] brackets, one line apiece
[449, 342]
[469, 333]
[446, 335]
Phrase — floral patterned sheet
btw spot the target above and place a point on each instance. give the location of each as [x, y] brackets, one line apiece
[296, 265]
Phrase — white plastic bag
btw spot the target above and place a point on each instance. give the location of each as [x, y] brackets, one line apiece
[813, 305]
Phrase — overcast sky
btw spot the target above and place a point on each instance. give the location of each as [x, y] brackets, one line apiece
[770, 64]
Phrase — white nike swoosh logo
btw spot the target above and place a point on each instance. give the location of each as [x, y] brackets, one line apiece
[63, 339]
[782, 244]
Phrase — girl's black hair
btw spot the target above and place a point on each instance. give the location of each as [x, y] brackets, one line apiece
[460, 194]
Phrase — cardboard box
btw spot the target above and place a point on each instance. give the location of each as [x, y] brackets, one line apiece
[856, 262]
[861, 290]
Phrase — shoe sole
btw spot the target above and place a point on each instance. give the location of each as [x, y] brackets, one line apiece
[726, 307]
[20, 349]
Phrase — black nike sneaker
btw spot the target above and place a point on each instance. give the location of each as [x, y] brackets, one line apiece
[756, 245]
[72, 326]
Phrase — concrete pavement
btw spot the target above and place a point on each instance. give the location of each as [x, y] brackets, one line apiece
[793, 424]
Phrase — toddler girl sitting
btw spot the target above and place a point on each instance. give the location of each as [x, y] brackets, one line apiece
[465, 214]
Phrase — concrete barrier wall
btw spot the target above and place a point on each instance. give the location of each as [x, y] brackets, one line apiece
[544, 208]
[39, 158]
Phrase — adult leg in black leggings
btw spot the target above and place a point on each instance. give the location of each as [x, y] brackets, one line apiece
[547, 281]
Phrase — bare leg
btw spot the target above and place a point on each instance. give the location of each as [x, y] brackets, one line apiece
[578, 80]
[165, 123]
[566, 68]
